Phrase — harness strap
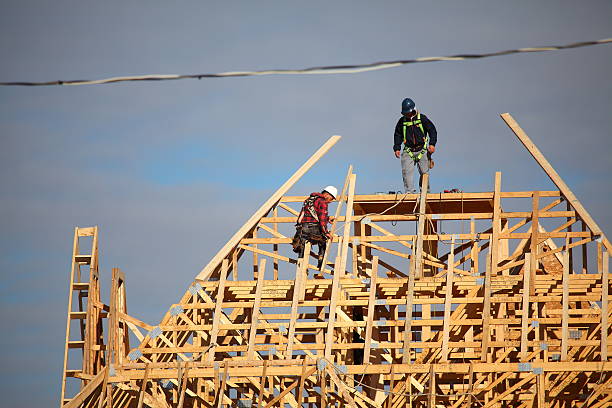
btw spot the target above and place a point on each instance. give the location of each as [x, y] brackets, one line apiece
[309, 206]
[418, 122]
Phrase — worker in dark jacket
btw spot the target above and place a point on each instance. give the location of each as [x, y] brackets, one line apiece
[419, 136]
[312, 222]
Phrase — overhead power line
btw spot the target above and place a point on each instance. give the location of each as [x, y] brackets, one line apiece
[332, 69]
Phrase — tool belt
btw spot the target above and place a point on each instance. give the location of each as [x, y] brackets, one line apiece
[308, 231]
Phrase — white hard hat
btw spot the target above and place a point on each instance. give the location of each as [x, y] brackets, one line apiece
[331, 190]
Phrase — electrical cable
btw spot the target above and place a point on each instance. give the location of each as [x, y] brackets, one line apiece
[361, 217]
[394, 222]
[331, 69]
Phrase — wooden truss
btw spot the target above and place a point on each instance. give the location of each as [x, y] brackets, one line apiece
[494, 299]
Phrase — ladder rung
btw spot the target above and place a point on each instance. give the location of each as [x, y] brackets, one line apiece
[80, 286]
[73, 373]
[86, 232]
[83, 315]
[83, 259]
[76, 344]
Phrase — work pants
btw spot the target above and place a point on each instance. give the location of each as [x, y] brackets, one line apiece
[408, 165]
[312, 232]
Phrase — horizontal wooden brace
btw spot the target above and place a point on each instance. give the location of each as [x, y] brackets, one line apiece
[296, 370]
[434, 196]
[438, 237]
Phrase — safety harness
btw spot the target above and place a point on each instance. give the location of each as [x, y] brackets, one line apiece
[301, 235]
[416, 156]
[309, 206]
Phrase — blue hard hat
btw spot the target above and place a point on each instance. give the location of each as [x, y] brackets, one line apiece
[407, 105]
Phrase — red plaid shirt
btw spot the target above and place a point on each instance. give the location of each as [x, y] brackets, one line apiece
[320, 207]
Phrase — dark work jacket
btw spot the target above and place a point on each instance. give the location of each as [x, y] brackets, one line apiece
[414, 137]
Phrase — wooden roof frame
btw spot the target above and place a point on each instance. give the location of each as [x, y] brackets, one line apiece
[500, 328]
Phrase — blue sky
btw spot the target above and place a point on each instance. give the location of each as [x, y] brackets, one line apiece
[170, 170]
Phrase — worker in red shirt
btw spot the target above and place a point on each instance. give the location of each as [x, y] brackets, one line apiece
[312, 222]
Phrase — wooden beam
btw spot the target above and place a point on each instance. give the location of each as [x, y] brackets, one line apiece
[300, 392]
[432, 387]
[184, 379]
[262, 389]
[541, 390]
[331, 319]
[418, 271]
[554, 176]
[343, 249]
[275, 247]
[104, 392]
[492, 261]
[407, 336]
[565, 305]
[143, 386]
[534, 240]
[298, 285]
[221, 391]
[370, 315]
[218, 310]
[255, 259]
[391, 387]
[341, 199]
[88, 390]
[525, 310]
[264, 209]
[447, 302]
[605, 323]
[256, 309]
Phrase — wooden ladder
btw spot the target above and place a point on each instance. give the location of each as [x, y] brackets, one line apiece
[85, 307]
